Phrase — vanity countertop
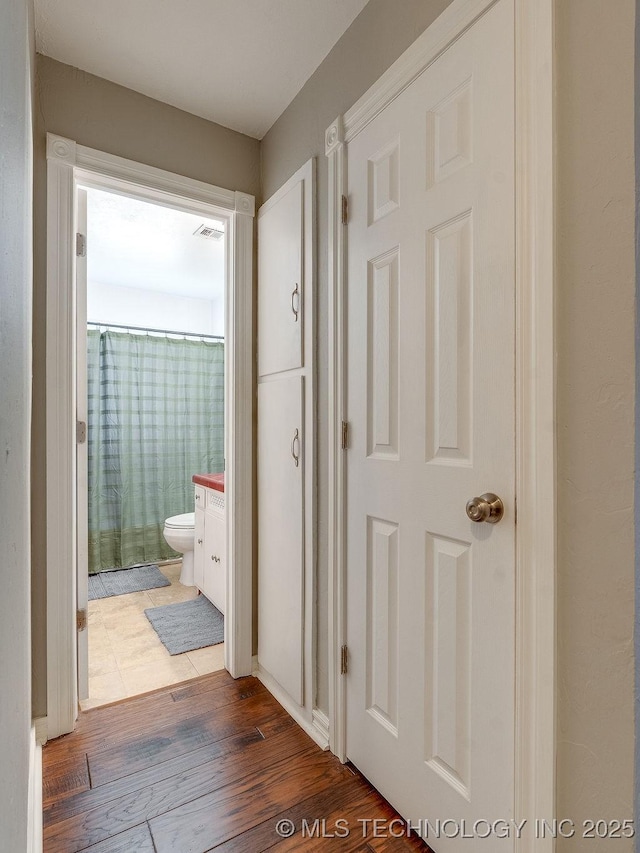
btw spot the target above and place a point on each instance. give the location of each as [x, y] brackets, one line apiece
[210, 481]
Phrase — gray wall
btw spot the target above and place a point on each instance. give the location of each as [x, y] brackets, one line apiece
[595, 411]
[378, 36]
[102, 115]
[595, 374]
[16, 54]
[637, 420]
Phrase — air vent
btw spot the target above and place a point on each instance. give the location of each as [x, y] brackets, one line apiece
[209, 232]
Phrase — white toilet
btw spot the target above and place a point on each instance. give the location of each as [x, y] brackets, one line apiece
[179, 533]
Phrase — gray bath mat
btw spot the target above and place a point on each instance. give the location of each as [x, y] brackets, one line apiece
[187, 625]
[122, 581]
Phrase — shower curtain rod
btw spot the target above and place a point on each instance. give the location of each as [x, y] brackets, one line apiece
[159, 331]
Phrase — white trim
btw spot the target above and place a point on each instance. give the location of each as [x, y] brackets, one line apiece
[67, 164]
[337, 407]
[34, 806]
[239, 449]
[62, 688]
[535, 393]
[320, 722]
[535, 735]
[311, 727]
[41, 727]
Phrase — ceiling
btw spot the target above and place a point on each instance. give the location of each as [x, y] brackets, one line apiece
[132, 243]
[236, 62]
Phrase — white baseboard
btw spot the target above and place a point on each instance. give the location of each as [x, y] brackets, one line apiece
[313, 728]
[321, 722]
[34, 813]
[40, 724]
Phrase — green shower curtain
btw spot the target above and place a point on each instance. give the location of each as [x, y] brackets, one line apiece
[156, 417]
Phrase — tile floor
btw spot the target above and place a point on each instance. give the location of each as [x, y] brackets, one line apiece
[126, 657]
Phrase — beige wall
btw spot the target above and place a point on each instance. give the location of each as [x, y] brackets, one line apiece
[110, 118]
[378, 36]
[595, 363]
[16, 80]
[596, 367]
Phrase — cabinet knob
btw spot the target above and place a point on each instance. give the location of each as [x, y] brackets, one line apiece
[199, 541]
[215, 559]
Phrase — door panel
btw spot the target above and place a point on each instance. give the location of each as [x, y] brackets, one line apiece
[280, 273]
[280, 532]
[430, 361]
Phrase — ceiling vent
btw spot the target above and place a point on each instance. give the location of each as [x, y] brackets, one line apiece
[209, 232]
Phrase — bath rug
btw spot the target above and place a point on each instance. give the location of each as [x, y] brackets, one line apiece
[187, 625]
[122, 581]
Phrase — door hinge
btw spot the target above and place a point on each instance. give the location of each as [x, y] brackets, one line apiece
[81, 246]
[344, 660]
[345, 209]
[81, 620]
[81, 432]
[344, 442]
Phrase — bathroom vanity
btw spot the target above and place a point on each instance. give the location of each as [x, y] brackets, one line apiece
[210, 547]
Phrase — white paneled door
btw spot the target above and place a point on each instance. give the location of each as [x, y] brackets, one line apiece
[430, 592]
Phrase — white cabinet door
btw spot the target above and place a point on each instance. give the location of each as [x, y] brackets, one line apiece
[198, 546]
[280, 532]
[214, 559]
[280, 284]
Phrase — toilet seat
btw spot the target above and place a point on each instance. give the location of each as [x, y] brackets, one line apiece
[181, 522]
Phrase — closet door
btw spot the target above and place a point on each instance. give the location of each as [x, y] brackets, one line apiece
[280, 274]
[281, 532]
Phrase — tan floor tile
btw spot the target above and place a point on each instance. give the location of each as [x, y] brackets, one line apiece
[98, 638]
[101, 662]
[140, 651]
[94, 619]
[132, 601]
[172, 594]
[128, 623]
[103, 689]
[123, 643]
[140, 679]
[172, 570]
[209, 659]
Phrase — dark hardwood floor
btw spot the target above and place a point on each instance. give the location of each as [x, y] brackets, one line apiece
[212, 764]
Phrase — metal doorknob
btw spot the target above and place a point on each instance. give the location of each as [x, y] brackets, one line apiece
[487, 507]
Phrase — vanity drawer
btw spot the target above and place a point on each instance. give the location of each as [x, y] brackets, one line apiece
[200, 498]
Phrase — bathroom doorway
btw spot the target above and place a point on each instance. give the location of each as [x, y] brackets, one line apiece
[70, 165]
[151, 384]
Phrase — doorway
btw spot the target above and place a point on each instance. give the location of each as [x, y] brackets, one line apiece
[150, 376]
[71, 166]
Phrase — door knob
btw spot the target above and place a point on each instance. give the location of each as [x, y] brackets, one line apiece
[487, 507]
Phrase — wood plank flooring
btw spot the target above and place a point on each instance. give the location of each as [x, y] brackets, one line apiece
[213, 764]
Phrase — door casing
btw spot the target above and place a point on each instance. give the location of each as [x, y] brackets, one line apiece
[69, 164]
[535, 700]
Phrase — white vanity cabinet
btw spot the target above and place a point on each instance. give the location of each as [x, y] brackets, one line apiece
[210, 547]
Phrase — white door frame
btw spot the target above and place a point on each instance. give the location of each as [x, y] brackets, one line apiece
[535, 675]
[67, 165]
